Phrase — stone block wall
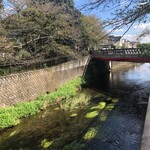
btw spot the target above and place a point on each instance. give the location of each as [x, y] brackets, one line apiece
[28, 86]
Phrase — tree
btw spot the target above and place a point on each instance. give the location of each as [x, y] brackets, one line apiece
[124, 12]
[1, 4]
[144, 33]
[92, 32]
[144, 46]
[145, 49]
[68, 2]
[43, 30]
[47, 30]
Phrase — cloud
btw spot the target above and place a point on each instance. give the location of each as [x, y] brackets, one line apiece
[145, 40]
[142, 26]
[130, 37]
[119, 30]
[116, 31]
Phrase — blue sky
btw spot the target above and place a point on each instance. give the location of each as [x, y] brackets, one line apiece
[130, 35]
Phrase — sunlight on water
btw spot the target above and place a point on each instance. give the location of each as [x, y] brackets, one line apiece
[140, 74]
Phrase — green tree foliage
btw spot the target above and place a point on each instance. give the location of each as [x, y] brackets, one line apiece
[68, 2]
[43, 30]
[49, 30]
[144, 46]
[92, 32]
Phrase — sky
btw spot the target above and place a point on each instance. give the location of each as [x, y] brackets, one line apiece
[131, 35]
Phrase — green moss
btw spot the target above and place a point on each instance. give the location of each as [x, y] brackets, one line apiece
[90, 134]
[103, 116]
[13, 133]
[109, 99]
[73, 115]
[92, 114]
[57, 108]
[100, 106]
[115, 100]
[79, 101]
[110, 107]
[46, 144]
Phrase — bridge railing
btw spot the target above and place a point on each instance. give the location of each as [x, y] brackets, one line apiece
[129, 52]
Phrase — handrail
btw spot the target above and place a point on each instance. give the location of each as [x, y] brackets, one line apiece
[128, 52]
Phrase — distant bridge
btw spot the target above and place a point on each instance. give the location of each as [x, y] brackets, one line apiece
[128, 55]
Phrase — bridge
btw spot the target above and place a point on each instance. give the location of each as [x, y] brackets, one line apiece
[129, 55]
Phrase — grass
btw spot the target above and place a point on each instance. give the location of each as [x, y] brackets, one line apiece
[11, 116]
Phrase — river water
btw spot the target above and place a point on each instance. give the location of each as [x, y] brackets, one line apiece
[124, 126]
[118, 126]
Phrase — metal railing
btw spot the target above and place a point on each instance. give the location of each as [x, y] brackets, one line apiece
[9, 67]
[129, 52]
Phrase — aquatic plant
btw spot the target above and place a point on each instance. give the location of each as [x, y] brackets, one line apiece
[91, 114]
[46, 144]
[90, 134]
[101, 105]
[10, 116]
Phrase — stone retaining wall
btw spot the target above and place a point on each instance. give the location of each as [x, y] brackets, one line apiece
[28, 86]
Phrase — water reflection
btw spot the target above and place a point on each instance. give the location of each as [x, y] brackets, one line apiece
[131, 87]
[140, 74]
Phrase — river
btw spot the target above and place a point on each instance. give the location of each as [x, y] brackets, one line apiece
[124, 127]
[119, 129]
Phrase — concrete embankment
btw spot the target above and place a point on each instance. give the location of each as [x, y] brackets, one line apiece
[28, 86]
[116, 66]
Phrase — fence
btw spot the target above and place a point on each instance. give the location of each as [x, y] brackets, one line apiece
[26, 65]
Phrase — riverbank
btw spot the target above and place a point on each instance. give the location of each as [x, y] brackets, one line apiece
[117, 66]
[11, 116]
[62, 125]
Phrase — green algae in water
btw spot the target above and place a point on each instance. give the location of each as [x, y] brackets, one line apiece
[103, 116]
[90, 134]
[100, 106]
[57, 108]
[110, 107]
[73, 115]
[46, 144]
[91, 114]
[109, 99]
[13, 133]
[115, 100]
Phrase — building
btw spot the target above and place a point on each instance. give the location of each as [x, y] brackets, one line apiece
[119, 42]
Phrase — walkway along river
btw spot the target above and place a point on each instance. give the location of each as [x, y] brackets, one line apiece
[96, 121]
